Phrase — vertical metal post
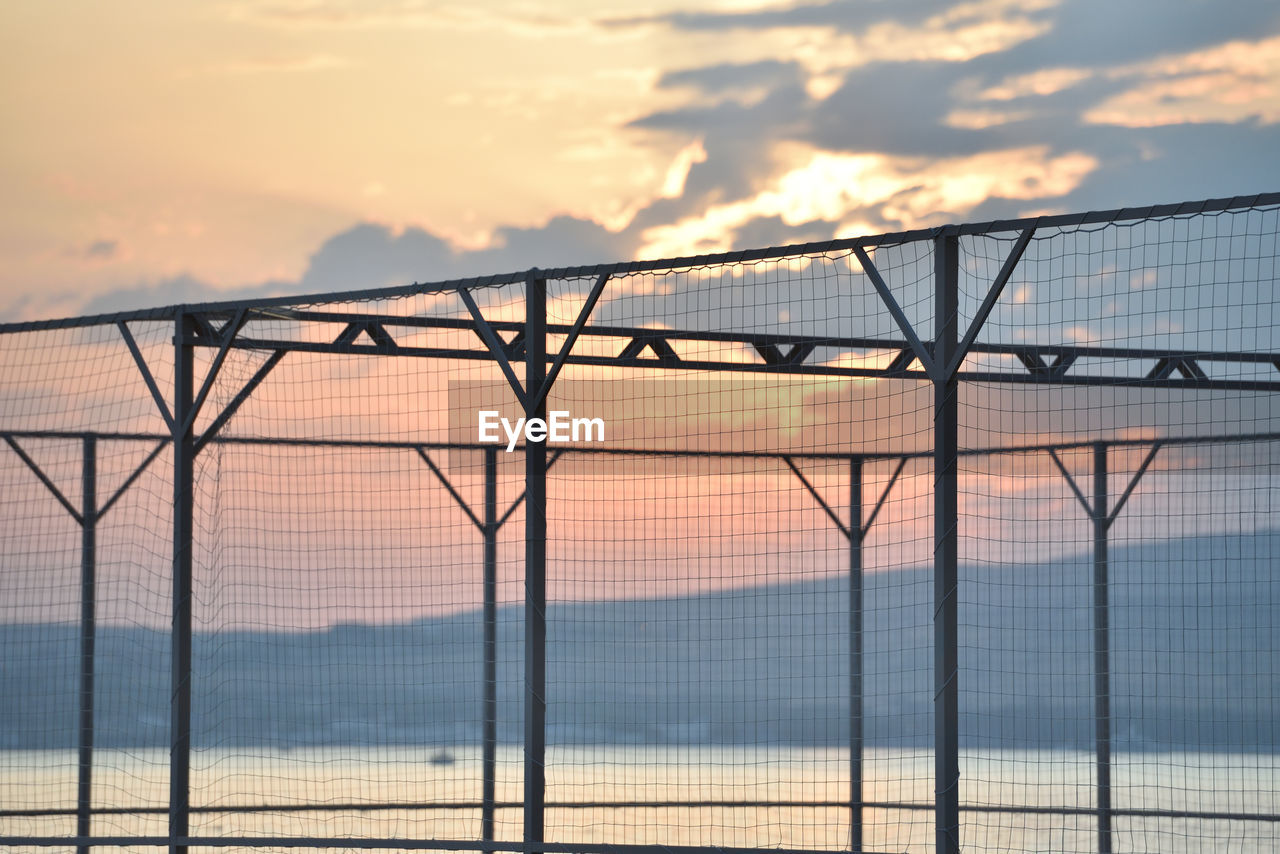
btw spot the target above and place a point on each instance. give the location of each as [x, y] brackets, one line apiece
[183, 477]
[855, 654]
[1101, 647]
[535, 571]
[88, 608]
[490, 642]
[946, 700]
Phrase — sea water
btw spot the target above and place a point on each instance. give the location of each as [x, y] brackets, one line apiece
[604, 794]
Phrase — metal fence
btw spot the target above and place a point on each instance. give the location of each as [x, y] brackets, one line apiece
[960, 537]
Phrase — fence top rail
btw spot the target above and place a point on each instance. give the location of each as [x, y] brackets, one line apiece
[1058, 221]
[410, 445]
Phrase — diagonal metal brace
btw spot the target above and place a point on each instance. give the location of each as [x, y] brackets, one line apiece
[1142, 469]
[146, 373]
[656, 342]
[795, 355]
[44, 478]
[551, 460]
[1037, 366]
[223, 417]
[844, 529]
[137, 472]
[1185, 365]
[496, 346]
[227, 336]
[984, 311]
[1071, 482]
[378, 334]
[886, 296]
[1093, 512]
[569, 341]
[453, 493]
[893, 478]
[901, 362]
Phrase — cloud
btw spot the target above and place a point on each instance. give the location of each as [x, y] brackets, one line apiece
[730, 77]
[910, 192]
[1039, 83]
[1233, 82]
[1104, 33]
[678, 172]
[371, 255]
[983, 119]
[911, 113]
[175, 290]
[744, 83]
[830, 40]
[825, 119]
[98, 250]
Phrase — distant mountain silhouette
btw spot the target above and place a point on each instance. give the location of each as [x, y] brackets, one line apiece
[1195, 643]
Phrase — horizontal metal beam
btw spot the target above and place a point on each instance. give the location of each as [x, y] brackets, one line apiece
[1043, 363]
[449, 806]
[394, 843]
[752, 338]
[1167, 441]
[669, 360]
[1119, 381]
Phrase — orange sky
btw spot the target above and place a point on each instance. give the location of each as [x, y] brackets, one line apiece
[156, 152]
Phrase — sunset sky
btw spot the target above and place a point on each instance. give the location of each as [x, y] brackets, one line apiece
[157, 152]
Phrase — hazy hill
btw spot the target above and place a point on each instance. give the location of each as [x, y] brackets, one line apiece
[1194, 655]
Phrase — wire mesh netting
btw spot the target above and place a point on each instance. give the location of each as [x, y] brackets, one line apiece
[736, 611]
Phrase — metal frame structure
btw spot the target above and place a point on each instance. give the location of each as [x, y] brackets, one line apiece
[220, 328]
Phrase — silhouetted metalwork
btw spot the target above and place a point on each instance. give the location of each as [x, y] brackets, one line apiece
[221, 328]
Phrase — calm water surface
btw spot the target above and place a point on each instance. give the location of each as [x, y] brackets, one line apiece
[338, 780]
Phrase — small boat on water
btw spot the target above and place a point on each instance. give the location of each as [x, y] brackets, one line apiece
[441, 757]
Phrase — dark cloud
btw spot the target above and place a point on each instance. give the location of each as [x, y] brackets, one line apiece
[766, 231]
[715, 79]
[98, 250]
[897, 108]
[1102, 33]
[842, 14]
[910, 108]
[101, 249]
[1164, 164]
[177, 290]
[738, 139]
[1084, 32]
[370, 255]
[893, 108]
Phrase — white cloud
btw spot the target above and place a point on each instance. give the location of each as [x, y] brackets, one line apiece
[1232, 82]
[1046, 81]
[678, 172]
[958, 34]
[982, 119]
[913, 192]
